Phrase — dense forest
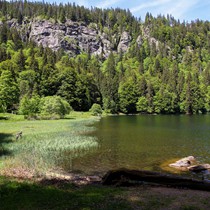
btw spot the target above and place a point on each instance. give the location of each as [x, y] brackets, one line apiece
[166, 71]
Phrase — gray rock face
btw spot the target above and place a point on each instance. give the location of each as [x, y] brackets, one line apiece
[124, 42]
[73, 37]
[151, 40]
[139, 41]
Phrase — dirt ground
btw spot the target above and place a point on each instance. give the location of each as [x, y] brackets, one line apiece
[141, 197]
[147, 197]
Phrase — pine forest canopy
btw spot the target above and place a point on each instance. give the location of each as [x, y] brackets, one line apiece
[156, 66]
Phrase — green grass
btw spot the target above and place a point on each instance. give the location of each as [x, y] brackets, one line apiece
[76, 115]
[25, 195]
[54, 194]
[46, 144]
[11, 117]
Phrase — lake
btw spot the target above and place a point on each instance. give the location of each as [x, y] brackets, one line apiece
[147, 142]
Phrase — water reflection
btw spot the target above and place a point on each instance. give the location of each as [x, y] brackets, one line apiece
[147, 141]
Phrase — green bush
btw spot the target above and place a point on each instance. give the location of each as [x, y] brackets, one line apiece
[2, 107]
[50, 107]
[96, 109]
[54, 105]
[29, 106]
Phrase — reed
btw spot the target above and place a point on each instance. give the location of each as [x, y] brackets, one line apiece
[48, 144]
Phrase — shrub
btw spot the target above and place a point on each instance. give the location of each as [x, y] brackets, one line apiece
[54, 105]
[96, 109]
[29, 106]
[50, 107]
[2, 107]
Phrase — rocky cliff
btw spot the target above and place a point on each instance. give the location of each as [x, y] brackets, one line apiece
[72, 37]
[77, 37]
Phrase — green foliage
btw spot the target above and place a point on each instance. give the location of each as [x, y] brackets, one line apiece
[2, 107]
[96, 110]
[8, 90]
[192, 99]
[29, 106]
[46, 107]
[152, 76]
[128, 95]
[54, 105]
[110, 85]
[142, 104]
[163, 101]
[110, 107]
[207, 100]
[27, 81]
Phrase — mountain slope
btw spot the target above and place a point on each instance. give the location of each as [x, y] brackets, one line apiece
[107, 57]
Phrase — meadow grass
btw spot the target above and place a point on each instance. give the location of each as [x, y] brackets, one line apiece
[46, 144]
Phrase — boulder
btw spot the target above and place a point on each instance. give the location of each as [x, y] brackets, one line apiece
[183, 163]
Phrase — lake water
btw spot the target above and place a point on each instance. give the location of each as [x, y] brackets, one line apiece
[147, 142]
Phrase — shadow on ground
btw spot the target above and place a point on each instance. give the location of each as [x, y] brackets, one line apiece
[52, 194]
[5, 139]
[63, 195]
[4, 118]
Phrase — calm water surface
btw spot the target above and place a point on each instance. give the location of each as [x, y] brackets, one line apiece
[146, 142]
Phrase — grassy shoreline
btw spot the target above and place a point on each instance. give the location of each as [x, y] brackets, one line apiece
[59, 193]
[45, 144]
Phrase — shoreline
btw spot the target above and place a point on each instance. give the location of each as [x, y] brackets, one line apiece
[55, 193]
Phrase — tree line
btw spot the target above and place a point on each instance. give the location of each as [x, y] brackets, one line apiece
[168, 71]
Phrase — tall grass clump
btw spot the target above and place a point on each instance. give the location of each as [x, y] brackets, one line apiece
[49, 145]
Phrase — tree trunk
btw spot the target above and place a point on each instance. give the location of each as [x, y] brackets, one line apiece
[135, 177]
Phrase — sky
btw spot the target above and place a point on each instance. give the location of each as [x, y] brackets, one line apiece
[180, 9]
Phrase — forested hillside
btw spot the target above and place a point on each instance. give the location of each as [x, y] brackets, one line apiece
[108, 57]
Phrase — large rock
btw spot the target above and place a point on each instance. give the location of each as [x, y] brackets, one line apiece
[183, 163]
[189, 163]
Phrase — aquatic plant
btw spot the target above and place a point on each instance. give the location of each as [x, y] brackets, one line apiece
[47, 145]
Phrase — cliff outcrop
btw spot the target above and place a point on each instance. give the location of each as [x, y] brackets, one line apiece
[73, 37]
